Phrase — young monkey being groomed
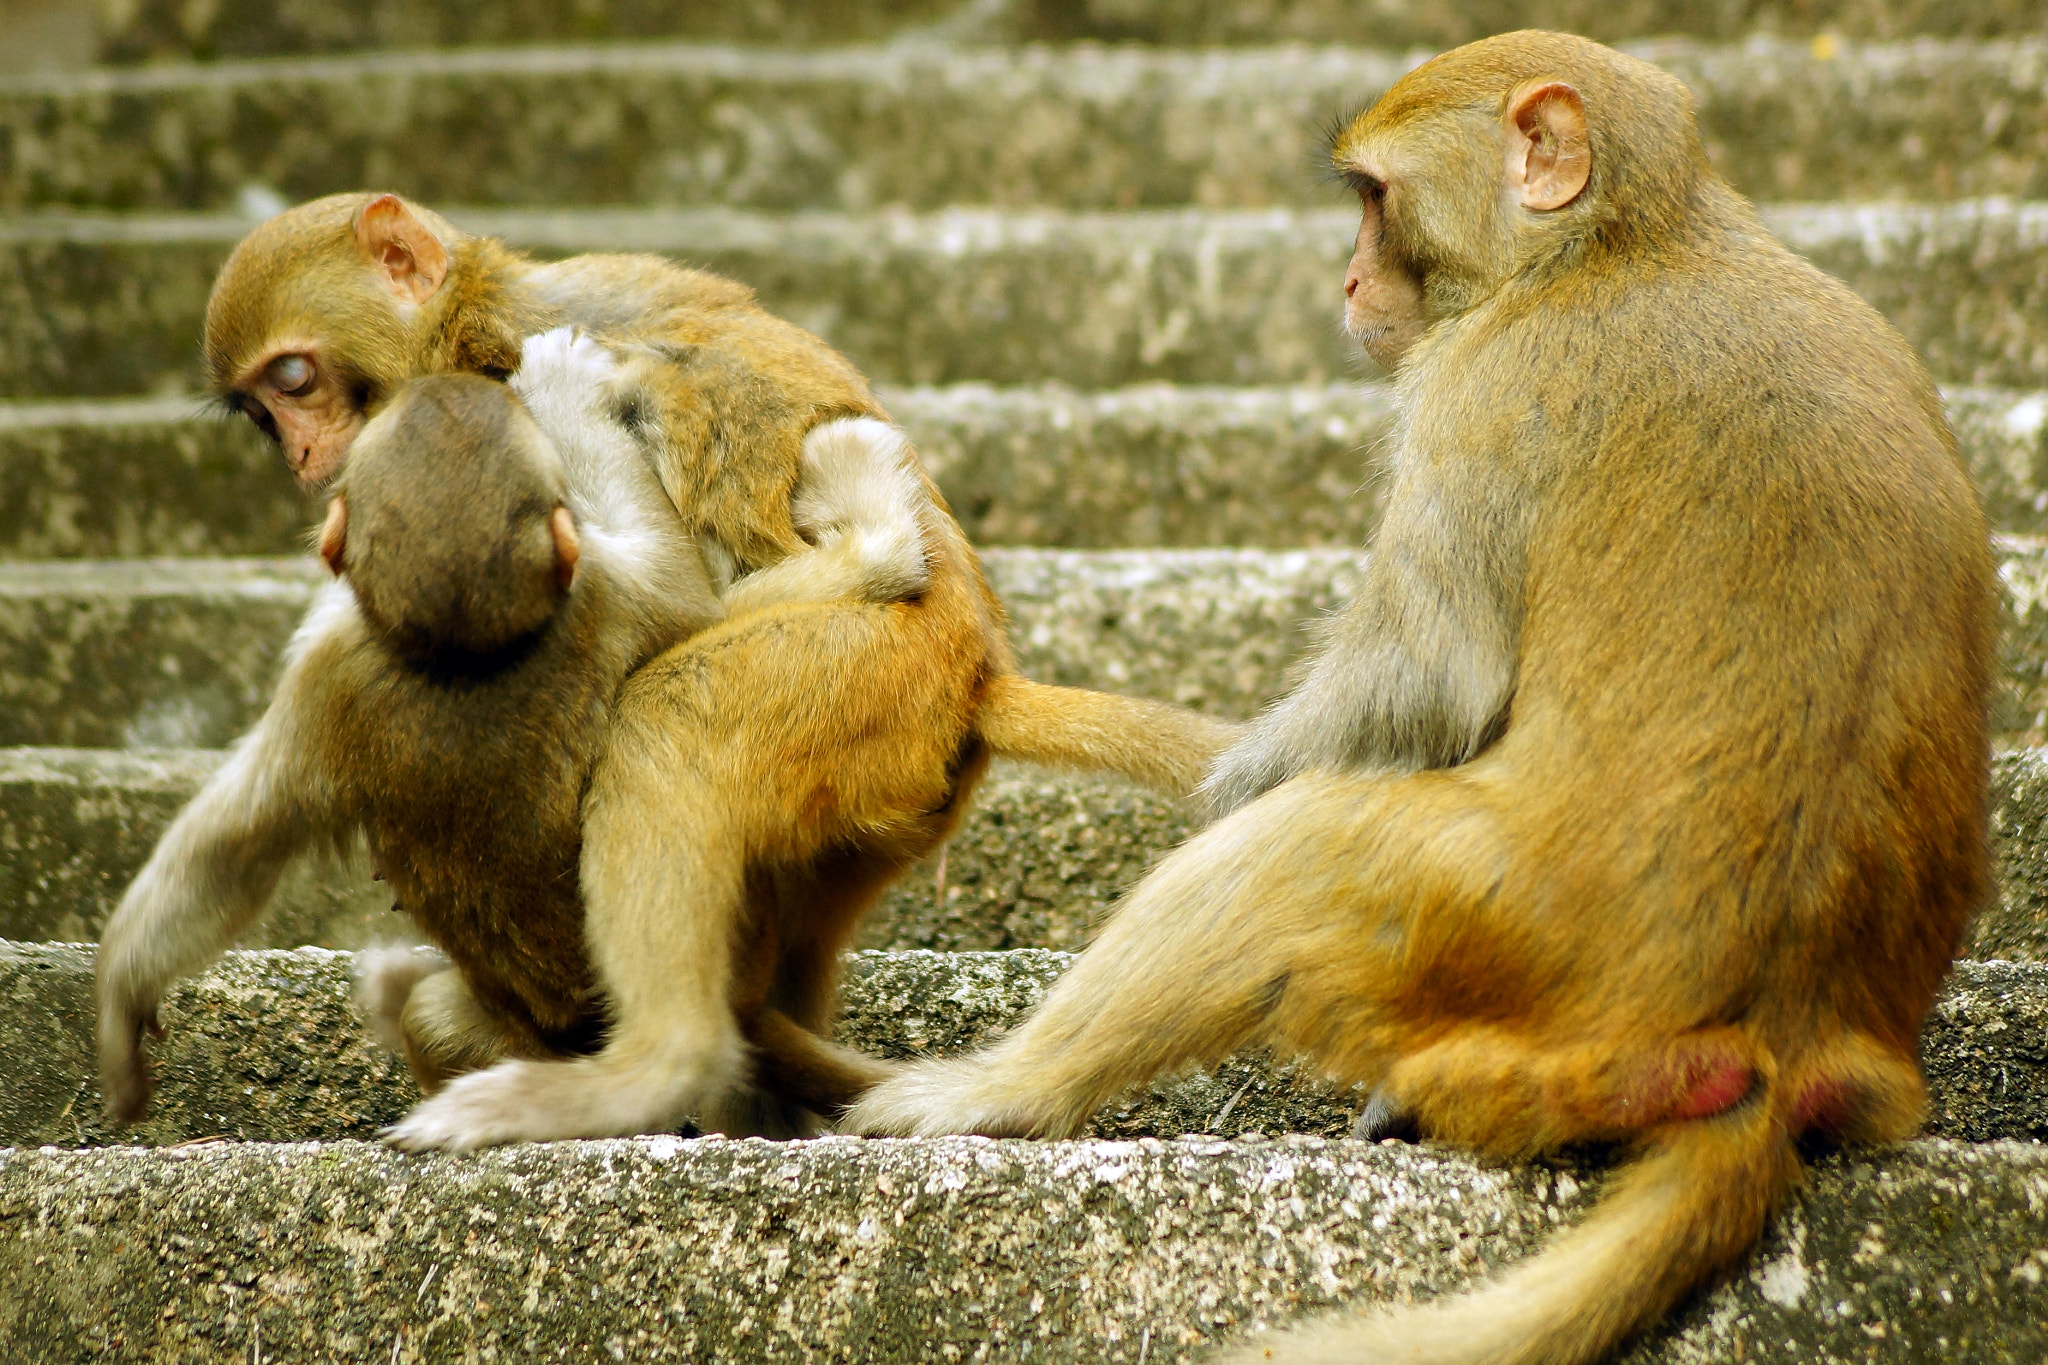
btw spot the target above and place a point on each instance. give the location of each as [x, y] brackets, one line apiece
[1640, 793]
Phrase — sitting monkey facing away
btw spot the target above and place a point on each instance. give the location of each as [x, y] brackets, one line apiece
[1639, 794]
[450, 696]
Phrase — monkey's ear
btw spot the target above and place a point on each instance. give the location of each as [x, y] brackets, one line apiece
[334, 535]
[405, 252]
[568, 550]
[1549, 156]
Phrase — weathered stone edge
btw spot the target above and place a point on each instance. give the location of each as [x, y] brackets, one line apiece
[266, 1046]
[1038, 863]
[859, 1250]
[1038, 465]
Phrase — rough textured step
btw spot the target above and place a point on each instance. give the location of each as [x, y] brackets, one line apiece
[1038, 862]
[1044, 465]
[112, 304]
[141, 30]
[266, 1047]
[1036, 865]
[927, 125]
[1040, 465]
[955, 1249]
[143, 653]
[1422, 23]
[146, 29]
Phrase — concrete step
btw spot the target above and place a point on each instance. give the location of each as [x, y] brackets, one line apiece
[928, 125]
[951, 1249]
[1036, 865]
[94, 304]
[1044, 465]
[168, 652]
[168, 29]
[1417, 23]
[266, 1047]
[1038, 862]
[1038, 465]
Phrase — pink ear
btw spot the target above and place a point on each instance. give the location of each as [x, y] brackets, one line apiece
[567, 549]
[410, 257]
[1549, 156]
[334, 535]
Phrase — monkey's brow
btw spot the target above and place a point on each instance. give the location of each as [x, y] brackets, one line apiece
[1363, 185]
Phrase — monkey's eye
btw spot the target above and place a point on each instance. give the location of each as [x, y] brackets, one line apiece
[291, 375]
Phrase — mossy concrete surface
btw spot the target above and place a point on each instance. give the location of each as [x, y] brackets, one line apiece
[1036, 465]
[142, 653]
[266, 1046]
[940, 1250]
[111, 305]
[928, 125]
[1038, 862]
[141, 30]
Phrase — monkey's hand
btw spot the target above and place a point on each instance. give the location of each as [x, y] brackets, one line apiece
[125, 1082]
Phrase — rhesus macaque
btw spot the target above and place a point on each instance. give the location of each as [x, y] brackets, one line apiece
[450, 699]
[1640, 793]
[759, 783]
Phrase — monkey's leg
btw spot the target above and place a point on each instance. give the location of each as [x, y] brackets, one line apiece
[1282, 923]
[662, 917]
[210, 877]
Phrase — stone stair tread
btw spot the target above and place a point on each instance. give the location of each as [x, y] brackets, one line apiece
[1154, 465]
[266, 1046]
[161, 29]
[111, 303]
[953, 1248]
[182, 652]
[927, 124]
[1038, 862]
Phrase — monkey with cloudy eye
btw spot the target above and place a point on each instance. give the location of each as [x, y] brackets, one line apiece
[450, 697]
[1639, 795]
[760, 783]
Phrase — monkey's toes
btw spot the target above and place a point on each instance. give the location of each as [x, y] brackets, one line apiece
[933, 1099]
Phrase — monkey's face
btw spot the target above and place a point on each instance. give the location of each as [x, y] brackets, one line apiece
[312, 322]
[1452, 203]
[295, 396]
[1383, 297]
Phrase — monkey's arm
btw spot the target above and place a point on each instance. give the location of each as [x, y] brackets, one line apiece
[862, 505]
[1415, 672]
[209, 878]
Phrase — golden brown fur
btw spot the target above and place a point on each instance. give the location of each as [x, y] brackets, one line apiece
[1640, 794]
[759, 783]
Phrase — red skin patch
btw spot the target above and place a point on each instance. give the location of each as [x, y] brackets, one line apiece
[1723, 1087]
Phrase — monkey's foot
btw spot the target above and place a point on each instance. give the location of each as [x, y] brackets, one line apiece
[602, 1096]
[385, 976]
[935, 1098]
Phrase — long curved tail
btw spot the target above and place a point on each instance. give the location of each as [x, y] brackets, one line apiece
[1695, 1199]
[1154, 743]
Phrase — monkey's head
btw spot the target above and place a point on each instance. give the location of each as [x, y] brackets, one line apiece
[1506, 156]
[450, 524]
[323, 311]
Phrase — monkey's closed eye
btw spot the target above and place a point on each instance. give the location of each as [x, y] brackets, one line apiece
[292, 375]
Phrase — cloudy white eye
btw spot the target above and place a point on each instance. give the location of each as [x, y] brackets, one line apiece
[291, 375]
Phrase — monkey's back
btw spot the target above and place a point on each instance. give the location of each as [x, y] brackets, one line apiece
[1748, 730]
[468, 790]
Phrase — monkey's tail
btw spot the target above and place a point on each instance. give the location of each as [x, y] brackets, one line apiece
[1158, 745]
[1696, 1199]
